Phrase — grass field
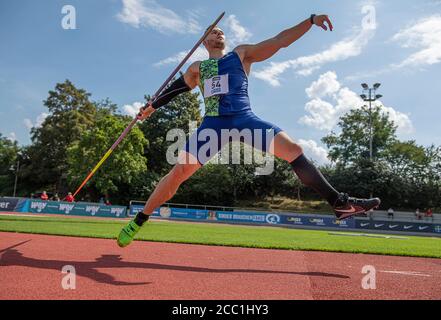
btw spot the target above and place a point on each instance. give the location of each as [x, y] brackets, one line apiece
[225, 235]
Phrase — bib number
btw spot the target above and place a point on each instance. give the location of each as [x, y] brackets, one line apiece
[216, 86]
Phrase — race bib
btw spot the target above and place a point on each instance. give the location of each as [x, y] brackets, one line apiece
[216, 86]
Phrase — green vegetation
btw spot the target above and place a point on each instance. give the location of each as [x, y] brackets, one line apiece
[226, 235]
[287, 204]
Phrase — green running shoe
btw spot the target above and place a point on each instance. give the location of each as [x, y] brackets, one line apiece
[127, 234]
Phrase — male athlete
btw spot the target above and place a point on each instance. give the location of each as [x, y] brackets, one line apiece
[223, 81]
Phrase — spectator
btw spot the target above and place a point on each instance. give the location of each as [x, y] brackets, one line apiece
[102, 200]
[32, 196]
[390, 213]
[70, 198]
[56, 197]
[418, 215]
[429, 214]
[108, 202]
[44, 196]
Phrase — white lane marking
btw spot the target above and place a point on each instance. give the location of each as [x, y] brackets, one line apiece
[408, 273]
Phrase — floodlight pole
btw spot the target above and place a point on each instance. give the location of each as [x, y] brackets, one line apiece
[16, 177]
[372, 97]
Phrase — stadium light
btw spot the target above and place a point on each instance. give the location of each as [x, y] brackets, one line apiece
[372, 98]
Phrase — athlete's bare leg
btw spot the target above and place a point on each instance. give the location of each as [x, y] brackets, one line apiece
[170, 184]
[285, 148]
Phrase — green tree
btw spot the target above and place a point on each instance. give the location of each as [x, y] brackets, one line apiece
[211, 185]
[353, 143]
[407, 159]
[176, 115]
[71, 114]
[119, 170]
[403, 174]
[8, 159]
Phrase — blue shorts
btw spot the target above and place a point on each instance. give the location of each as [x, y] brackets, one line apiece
[215, 132]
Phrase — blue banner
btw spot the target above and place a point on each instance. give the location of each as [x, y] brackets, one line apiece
[8, 204]
[204, 215]
[247, 217]
[314, 221]
[395, 226]
[135, 208]
[75, 209]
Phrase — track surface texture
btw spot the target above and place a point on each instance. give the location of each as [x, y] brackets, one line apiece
[30, 268]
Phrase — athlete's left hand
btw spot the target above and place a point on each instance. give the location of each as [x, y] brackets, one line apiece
[320, 21]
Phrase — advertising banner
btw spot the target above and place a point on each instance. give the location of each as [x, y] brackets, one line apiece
[76, 209]
[201, 215]
[314, 221]
[395, 226]
[8, 204]
[135, 208]
[247, 217]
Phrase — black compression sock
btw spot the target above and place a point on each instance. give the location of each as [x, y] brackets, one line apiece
[312, 177]
[141, 218]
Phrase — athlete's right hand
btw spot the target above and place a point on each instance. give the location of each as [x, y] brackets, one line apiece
[146, 111]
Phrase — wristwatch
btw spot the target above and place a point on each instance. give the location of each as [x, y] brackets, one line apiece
[312, 18]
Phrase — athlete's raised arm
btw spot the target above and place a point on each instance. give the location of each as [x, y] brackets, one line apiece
[185, 83]
[266, 49]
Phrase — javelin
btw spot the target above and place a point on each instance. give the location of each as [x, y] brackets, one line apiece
[134, 121]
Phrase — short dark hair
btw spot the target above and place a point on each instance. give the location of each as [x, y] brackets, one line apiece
[213, 28]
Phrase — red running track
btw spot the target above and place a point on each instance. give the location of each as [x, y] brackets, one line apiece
[30, 268]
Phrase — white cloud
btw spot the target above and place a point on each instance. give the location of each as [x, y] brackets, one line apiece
[40, 119]
[199, 55]
[12, 136]
[235, 34]
[314, 151]
[29, 124]
[347, 48]
[330, 101]
[150, 14]
[425, 36]
[402, 120]
[325, 85]
[132, 109]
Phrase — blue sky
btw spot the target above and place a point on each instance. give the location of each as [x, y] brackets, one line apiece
[123, 49]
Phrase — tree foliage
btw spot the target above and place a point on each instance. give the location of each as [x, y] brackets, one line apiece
[125, 163]
[8, 164]
[402, 173]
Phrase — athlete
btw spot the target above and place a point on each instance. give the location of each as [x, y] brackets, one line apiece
[223, 81]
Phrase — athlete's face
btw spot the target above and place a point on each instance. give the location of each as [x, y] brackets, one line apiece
[215, 40]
